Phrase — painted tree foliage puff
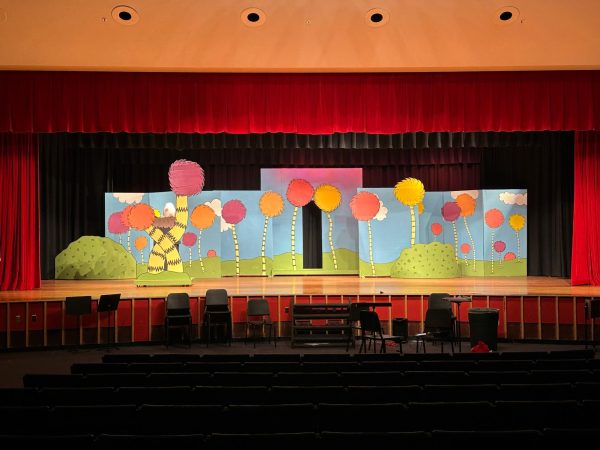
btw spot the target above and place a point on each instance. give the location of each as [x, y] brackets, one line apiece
[140, 244]
[328, 198]
[271, 205]
[116, 226]
[203, 217]
[410, 192]
[436, 230]
[234, 212]
[365, 206]
[299, 193]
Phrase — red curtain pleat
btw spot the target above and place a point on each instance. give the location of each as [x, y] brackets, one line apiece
[585, 261]
[19, 212]
[298, 103]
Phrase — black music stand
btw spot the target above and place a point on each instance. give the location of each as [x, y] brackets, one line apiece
[78, 306]
[108, 303]
[592, 311]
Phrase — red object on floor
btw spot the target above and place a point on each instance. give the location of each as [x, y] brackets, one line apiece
[480, 347]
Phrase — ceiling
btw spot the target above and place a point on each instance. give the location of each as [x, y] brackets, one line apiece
[299, 35]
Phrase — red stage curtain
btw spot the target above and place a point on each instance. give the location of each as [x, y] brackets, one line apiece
[298, 103]
[585, 261]
[19, 212]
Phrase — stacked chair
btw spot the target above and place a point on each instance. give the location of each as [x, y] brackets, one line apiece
[318, 400]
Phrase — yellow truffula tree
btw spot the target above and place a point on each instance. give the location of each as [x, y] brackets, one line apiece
[517, 222]
[271, 205]
[410, 192]
[186, 178]
[328, 198]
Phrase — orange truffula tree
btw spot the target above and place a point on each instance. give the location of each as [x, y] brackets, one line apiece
[467, 205]
[365, 206]
[203, 217]
[271, 205]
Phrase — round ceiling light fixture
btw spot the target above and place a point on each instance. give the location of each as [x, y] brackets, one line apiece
[125, 15]
[377, 17]
[3, 16]
[506, 15]
[253, 17]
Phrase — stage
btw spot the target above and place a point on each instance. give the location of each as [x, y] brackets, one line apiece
[530, 308]
[311, 285]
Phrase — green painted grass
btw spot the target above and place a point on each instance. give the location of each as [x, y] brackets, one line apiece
[347, 264]
[163, 279]
[381, 270]
[247, 267]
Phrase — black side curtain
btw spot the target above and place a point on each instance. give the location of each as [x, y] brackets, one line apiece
[77, 169]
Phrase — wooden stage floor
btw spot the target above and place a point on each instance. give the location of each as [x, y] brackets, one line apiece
[311, 285]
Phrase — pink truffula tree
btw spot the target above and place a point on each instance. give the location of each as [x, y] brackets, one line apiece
[115, 226]
[299, 193]
[451, 212]
[189, 240]
[493, 219]
[499, 247]
[465, 249]
[234, 212]
[436, 229]
[365, 206]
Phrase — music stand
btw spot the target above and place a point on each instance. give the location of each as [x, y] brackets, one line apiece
[77, 306]
[108, 303]
[592, 311]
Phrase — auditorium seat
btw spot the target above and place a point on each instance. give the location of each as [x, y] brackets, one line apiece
[458, 393]
[366, 417]
[283, 418]
[227, 395]
[513, 415]
[181, 419]
[490, 438]
[589, 390]
[391, 439]
[214, 366]
[164, 395]
[307, 379]
[37, 441]
[561, 364]
[94, 419]
[241, 379]
[305, 394]
[561, 376]
[263, 441]
[149, 441]
[53, 380]
[504, 365]
[272, 357]
[554, 391]
[397, 366]
[422, 377]
[271, 366]
[383, 394]
[80, 396]
[478, 415]
[24, 420]
[374, 379]
[498, 377]
[179, 379]
[19, 397]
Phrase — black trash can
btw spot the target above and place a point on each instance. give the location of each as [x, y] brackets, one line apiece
[400, 327]
[483, 326]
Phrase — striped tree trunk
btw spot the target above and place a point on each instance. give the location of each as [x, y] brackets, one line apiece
[371, 248]
[472, 240]
[455, 241]
[199, 253]
[331, 241]
[262, 247]
[294, 237]
[492, 250]
[236, 247]
[413, 228]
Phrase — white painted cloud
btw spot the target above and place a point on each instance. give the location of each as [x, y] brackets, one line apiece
[169, 210]
[513, 199]
[129, 197]
[382, 213]
[455, 194]
[216, 206]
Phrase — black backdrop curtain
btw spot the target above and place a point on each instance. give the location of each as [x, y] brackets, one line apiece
[77, 169]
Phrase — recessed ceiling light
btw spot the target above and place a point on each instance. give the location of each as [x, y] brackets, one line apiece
[253, 17]
[377, 17]
[506, 14]
[125, 15]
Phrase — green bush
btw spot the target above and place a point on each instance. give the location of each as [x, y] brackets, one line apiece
[434, 260]
[94, 258]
